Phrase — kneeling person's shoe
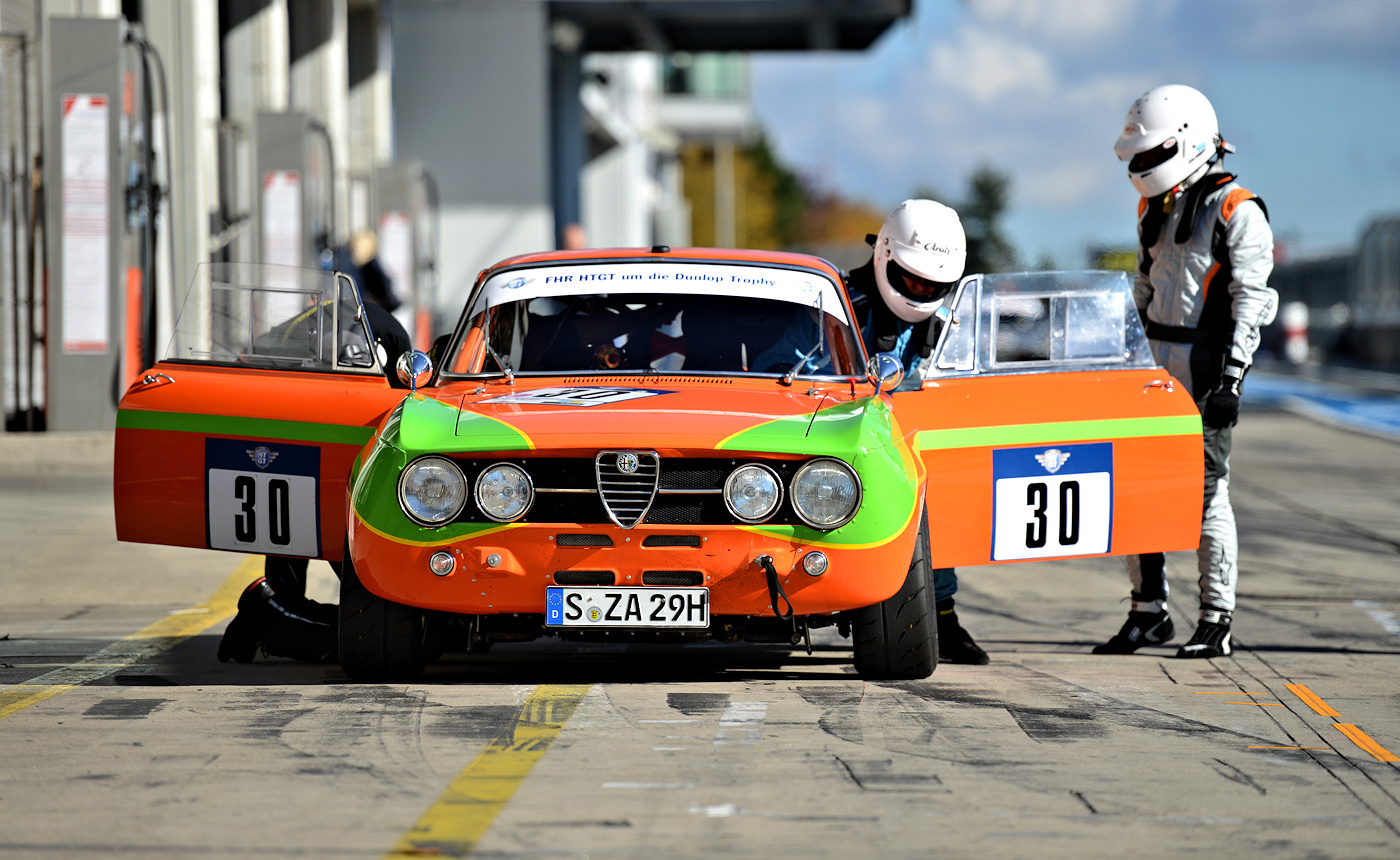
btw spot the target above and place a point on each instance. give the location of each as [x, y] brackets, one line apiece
[1141, 628]
[955, 644]
[243, 635]
[1211, 639]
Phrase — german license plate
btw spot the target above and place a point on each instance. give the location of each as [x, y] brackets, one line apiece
[626, 607]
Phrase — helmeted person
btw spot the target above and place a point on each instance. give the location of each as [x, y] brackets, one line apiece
[918, 259]
[1205, 252]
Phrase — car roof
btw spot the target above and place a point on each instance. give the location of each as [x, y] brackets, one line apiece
[731, 255]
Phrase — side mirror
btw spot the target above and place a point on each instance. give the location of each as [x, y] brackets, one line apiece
[414, 368]
[886, 371]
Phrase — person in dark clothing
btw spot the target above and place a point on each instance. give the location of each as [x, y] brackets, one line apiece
[918, 258]
[375, 284]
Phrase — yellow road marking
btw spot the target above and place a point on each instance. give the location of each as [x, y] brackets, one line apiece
[1312, 700]
[146, 642]
[461, 816]
[1364, 741]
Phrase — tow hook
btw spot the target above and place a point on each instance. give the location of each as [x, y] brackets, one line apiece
[775, 588]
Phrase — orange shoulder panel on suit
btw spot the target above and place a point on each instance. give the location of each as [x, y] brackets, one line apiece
[1232, 200]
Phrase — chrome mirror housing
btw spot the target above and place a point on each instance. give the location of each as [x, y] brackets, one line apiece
[886, 371]
[414, 368]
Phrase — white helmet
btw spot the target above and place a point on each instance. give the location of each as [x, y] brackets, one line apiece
[923, 241]
[1170, 133]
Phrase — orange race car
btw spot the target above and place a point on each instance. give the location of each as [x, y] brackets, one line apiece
[613, 447]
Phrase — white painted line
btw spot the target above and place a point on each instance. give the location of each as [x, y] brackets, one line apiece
[1387, 620]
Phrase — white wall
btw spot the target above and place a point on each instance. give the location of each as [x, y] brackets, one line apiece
[471, 101]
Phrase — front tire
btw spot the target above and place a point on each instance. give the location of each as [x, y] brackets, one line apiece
[380, 640]
[897, 640]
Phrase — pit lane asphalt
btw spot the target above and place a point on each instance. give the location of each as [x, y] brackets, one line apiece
[557, 750]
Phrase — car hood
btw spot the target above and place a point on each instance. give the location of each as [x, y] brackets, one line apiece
[717, 415]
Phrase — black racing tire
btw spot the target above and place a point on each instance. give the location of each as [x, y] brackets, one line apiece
[897, 640]
[380, 640]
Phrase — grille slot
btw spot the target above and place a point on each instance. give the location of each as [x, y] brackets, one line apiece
[584, 577]
[584, 540]
[627, 495]
[671, 540]
[672, 577]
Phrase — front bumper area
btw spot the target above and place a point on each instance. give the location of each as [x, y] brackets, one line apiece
[507, 570]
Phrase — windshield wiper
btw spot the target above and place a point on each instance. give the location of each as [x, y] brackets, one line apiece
[503, 363]
[819, 345]
[788, 377]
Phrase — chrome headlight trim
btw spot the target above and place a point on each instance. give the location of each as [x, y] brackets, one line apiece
[750, 468]
[805, 516]
[529, 492]
[449, 513]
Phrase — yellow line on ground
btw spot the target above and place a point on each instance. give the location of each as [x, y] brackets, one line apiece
[1364, 741]
[1312, 700]
[146, 642]
[461, 816]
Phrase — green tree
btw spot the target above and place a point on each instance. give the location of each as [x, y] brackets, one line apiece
[988, 249]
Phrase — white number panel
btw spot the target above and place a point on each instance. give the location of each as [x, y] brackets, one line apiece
[263, 497]
[1051, 502]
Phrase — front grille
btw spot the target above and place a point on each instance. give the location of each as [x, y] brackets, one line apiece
[583, 577]
[672, 577]
[627, 483]
[671, 540]
[584, 540]
[688, 491]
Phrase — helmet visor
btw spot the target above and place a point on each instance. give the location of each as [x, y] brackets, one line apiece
[914, 287]
[1150, 158]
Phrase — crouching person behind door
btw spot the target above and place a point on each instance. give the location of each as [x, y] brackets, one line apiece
[274, 613]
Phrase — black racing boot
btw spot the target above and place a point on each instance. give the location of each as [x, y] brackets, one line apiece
[1141, 628]
[300, 629]
[240, 641]
[955, 644]
[1212, 636]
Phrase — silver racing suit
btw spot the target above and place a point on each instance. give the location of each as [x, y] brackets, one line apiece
[1202, 290]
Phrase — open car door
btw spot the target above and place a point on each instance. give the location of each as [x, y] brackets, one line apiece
[1047, 429]
[243, 435]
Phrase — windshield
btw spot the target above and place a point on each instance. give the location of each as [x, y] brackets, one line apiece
[261, 315]
[647, 316]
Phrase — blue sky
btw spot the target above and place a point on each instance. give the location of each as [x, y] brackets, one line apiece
[1308, 91]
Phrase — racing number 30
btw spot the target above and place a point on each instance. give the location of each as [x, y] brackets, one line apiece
[279, 513]
[1038, 497]
[263, 512]
[1049, 502]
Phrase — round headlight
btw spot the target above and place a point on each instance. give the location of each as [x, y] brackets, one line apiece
[504, 492]
[432, 490]
[752, 493]
[825, 493]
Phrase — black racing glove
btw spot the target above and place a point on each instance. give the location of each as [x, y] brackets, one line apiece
[1222, 407]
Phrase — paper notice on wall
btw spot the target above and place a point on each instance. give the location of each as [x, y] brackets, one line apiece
[281, 239]
[86, 304]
